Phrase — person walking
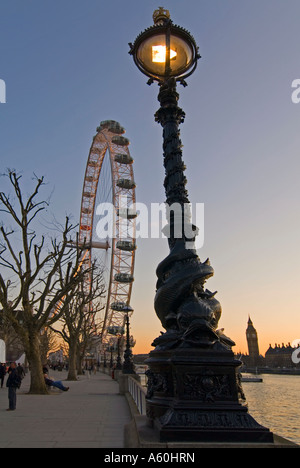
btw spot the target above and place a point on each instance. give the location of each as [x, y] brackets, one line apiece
[2, 373]
[13, 382]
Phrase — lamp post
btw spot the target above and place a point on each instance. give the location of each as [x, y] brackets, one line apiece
[128, 366]
[111, 362]
[119, 363]
[118, 332]
[110, 349]
[194, 391]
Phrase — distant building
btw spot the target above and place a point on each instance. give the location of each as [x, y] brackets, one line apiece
[280, 356]
[56, 357]
[275, 357]
[253, 348]
[13, 345]
[253, 359]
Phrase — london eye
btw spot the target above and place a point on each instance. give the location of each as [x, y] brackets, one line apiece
[108, 220]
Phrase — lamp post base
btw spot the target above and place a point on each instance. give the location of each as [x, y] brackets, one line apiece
[187, 425]
[196, 395]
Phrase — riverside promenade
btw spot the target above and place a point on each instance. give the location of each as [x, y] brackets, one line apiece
[92, 414]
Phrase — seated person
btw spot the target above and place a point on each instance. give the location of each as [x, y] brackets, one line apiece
[51, 383]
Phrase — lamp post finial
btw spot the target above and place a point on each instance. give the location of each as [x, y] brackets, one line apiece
[161, 16]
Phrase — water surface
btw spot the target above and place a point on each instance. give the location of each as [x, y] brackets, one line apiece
[275, 403]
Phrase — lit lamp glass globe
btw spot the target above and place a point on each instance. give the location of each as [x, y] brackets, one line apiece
[165, 50]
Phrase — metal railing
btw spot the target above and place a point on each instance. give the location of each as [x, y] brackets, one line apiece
[138, 394]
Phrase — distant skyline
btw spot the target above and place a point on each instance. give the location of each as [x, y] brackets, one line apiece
[66, 67]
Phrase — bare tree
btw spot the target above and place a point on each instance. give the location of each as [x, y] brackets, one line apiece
[79, 321]
[37, 275]
[48, 342]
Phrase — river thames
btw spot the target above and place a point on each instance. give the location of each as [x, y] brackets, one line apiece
[274, 403]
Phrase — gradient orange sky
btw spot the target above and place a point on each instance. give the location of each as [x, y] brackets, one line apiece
[265, 302]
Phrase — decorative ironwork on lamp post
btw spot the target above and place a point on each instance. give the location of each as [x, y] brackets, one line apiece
[194, 390]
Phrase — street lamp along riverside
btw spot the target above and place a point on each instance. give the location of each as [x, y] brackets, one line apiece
[165, 50]
[194, 391]
[128, 365]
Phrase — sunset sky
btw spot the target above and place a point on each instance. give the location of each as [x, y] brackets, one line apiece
[66, 67]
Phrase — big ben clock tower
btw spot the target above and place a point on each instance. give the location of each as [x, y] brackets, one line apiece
[252, 341]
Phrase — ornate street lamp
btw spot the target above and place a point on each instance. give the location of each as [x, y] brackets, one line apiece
[165, 50]
[128, 366]
[111, 348]
[194, 390]
[119, 363]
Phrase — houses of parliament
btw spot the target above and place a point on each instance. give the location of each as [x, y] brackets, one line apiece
[279, 356]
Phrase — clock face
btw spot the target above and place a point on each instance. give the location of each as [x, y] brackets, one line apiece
[251, 335]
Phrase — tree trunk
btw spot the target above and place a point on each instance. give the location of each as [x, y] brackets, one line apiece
[79, 364]
[37, 383]
[72, 374]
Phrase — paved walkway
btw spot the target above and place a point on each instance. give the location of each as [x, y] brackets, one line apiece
[92, 414]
